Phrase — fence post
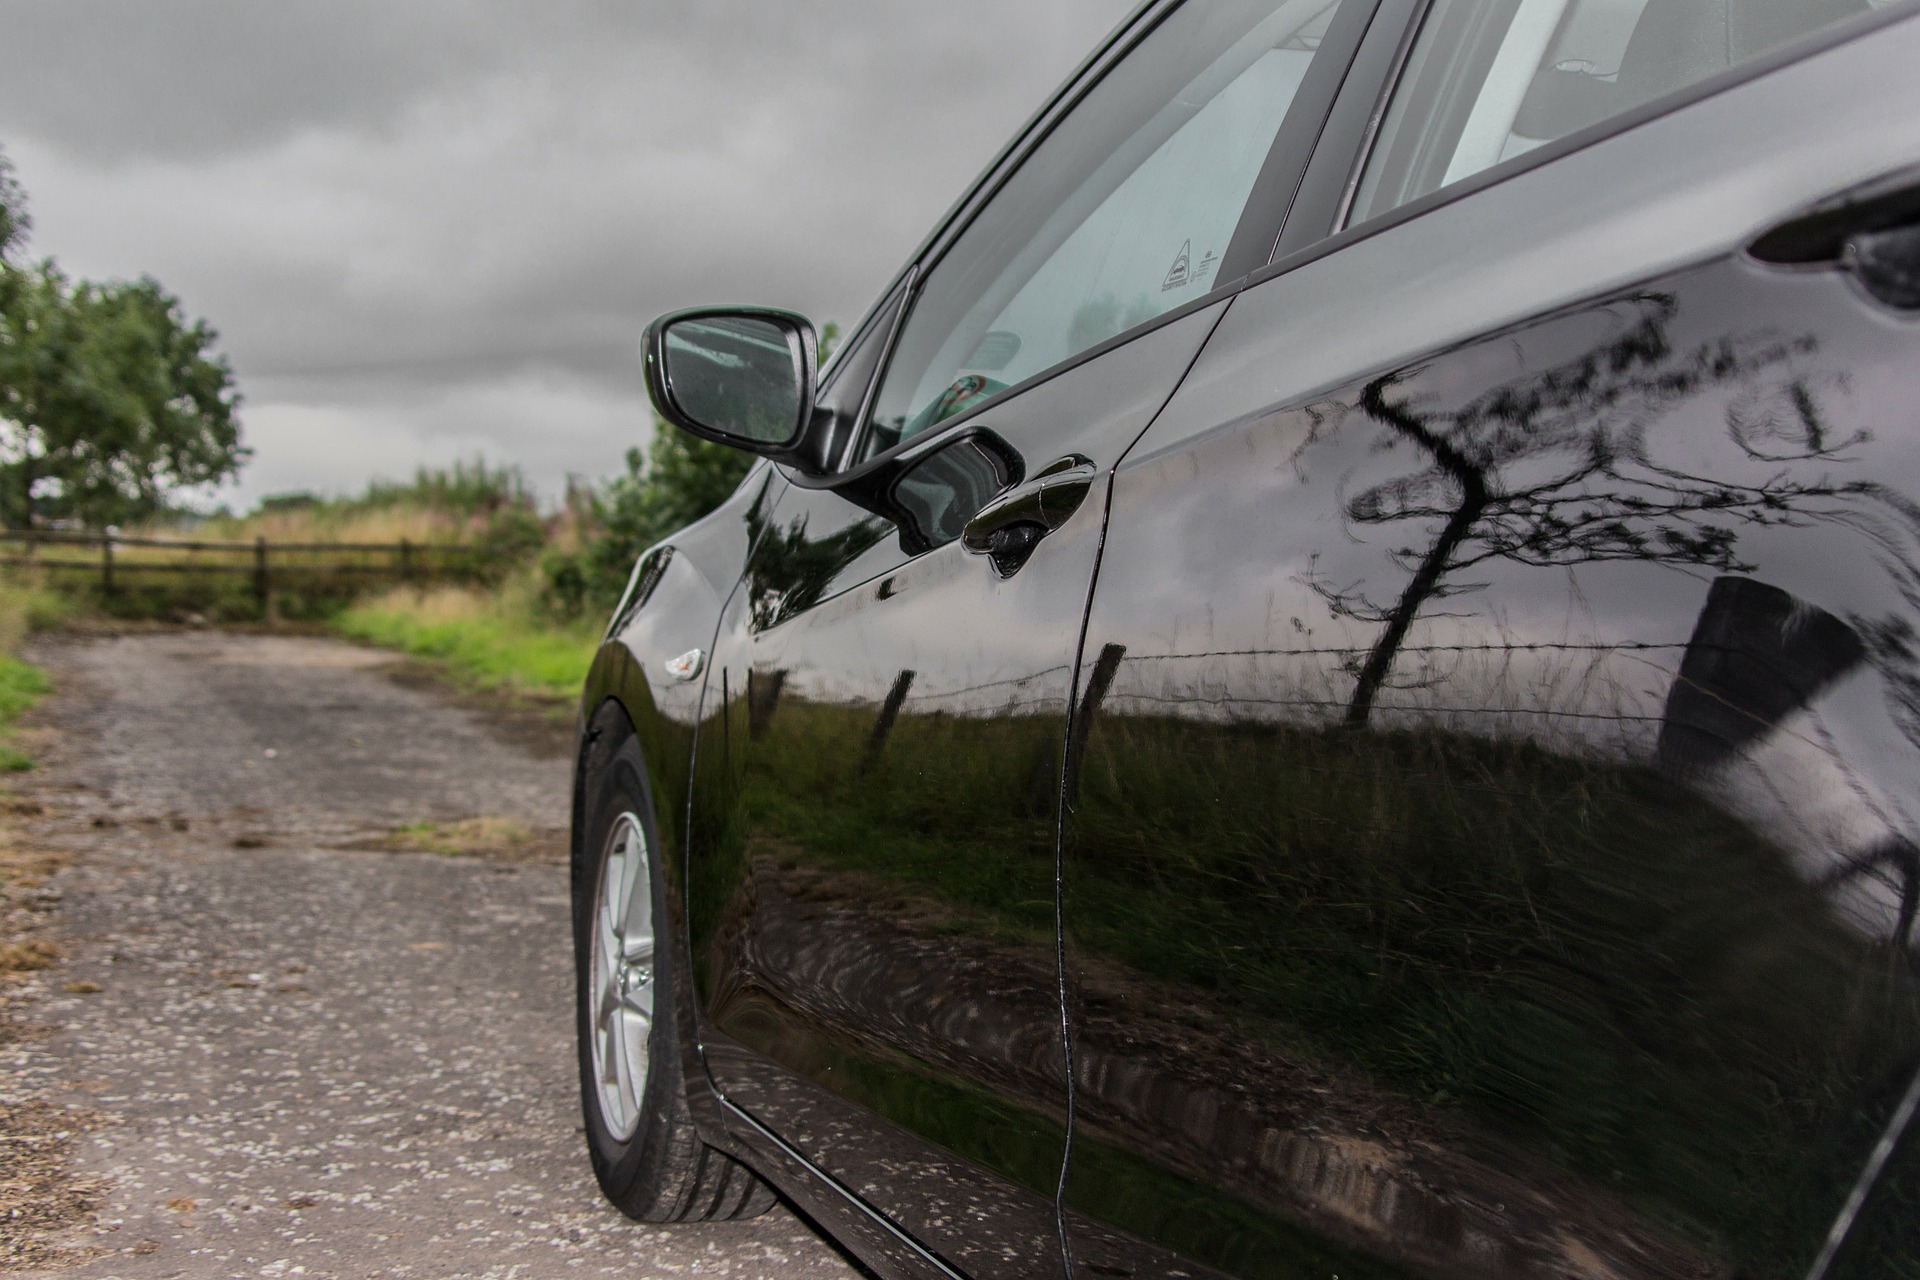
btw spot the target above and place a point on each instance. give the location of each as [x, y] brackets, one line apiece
[260, 584]
[406, 561]
[106, 564]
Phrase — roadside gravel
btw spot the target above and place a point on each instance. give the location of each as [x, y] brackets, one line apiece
[307, 1056]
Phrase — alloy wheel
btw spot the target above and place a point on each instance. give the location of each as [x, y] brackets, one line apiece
[623, 975]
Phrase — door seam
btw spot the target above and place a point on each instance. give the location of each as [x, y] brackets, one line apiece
[1069, 769]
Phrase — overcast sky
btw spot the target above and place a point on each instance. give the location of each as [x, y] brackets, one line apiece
[433, 228]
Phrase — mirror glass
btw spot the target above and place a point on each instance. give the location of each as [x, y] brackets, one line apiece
[737, 375]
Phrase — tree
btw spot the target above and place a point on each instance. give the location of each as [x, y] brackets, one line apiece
[14, 223]
[110, 399]
[1557, 470]
[674, 482]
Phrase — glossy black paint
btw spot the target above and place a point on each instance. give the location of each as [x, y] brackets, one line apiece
[872, 890]
[669, 609]
[1492, 847]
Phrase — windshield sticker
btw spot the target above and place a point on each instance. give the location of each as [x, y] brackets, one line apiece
[1177, 273]
[1185, 271]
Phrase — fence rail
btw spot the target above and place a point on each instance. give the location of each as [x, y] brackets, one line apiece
[117, 561]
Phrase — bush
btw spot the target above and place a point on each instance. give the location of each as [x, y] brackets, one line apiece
[469, 503]
[677, 481]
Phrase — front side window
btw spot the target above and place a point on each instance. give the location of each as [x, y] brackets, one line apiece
[1492, 79]
[1124, 212]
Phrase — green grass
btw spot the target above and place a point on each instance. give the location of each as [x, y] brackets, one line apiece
[487, 641]
[24, 608]
[21, 685]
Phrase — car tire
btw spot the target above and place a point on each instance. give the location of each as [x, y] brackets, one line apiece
[647, 1154]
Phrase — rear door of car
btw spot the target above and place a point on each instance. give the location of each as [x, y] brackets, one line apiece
[872, 889]
[1491, 808]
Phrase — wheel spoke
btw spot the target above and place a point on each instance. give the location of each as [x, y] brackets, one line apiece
[612, 911]
[608, 958]
[619, 876]
[622, 976]
[622, 1070]
[608, 1005]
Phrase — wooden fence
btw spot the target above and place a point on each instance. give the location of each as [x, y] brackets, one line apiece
[118, 563]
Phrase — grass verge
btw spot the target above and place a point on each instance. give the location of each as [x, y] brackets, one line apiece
[24, 607]
[487, 640]
[21, 685]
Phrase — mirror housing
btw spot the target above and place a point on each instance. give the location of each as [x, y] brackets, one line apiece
[739, 376]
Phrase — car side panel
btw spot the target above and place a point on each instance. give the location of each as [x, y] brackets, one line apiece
[872, 890]
[671, 606]
[1492, 806]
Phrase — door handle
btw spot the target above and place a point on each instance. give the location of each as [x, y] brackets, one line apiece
[1872, 231]
[1008, 528]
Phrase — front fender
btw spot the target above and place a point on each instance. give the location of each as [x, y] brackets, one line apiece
[671, 607]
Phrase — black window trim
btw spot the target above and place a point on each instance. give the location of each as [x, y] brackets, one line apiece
[874, 317]
[1276, 187]
[1353, 120]
[1311, 228]
[1347, 150]
[892, 312]
[962, 210]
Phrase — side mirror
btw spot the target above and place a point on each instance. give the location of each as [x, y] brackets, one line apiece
[739, 376]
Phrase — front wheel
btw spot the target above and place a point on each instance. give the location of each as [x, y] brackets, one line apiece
[646, 1153]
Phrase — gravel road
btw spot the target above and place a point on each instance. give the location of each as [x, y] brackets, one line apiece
[309, 1055]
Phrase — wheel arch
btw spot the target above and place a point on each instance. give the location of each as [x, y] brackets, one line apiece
[618, 703]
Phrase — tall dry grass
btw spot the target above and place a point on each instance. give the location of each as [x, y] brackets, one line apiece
[497, 639]
[331, 522]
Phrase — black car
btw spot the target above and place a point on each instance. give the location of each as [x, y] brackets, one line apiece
[1328, 685]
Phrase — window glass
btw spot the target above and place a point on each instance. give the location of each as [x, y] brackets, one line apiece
[1492, 79]
[1124, 212]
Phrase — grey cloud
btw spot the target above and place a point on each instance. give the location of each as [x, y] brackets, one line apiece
[117, 78]
[414, 200]
[188, 78]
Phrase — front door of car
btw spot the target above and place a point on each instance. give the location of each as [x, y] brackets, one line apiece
[872, 892]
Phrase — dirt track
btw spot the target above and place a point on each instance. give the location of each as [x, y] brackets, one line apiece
[310, 1054]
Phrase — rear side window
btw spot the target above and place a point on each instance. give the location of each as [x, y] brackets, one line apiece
[1124, 212]
[1488, 81]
